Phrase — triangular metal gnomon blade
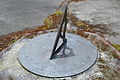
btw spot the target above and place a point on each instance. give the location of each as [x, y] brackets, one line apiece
[60, 35]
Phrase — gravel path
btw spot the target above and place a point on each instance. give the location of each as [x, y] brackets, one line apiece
[105, 12]
[19, 14]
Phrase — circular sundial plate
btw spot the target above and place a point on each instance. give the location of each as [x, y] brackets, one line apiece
[80, 55]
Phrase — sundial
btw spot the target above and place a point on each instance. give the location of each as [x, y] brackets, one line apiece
[58, 54]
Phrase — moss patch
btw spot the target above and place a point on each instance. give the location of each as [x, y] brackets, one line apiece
[117, 47]
[58, 12]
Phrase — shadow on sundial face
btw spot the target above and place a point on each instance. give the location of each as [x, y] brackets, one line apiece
[64, 53]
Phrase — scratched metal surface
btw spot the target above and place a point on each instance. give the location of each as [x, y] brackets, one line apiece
[34, 56]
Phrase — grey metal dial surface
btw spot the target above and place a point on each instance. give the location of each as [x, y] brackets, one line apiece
[80, 55]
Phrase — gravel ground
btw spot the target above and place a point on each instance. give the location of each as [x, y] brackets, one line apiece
[105, 12]
[19, 14]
